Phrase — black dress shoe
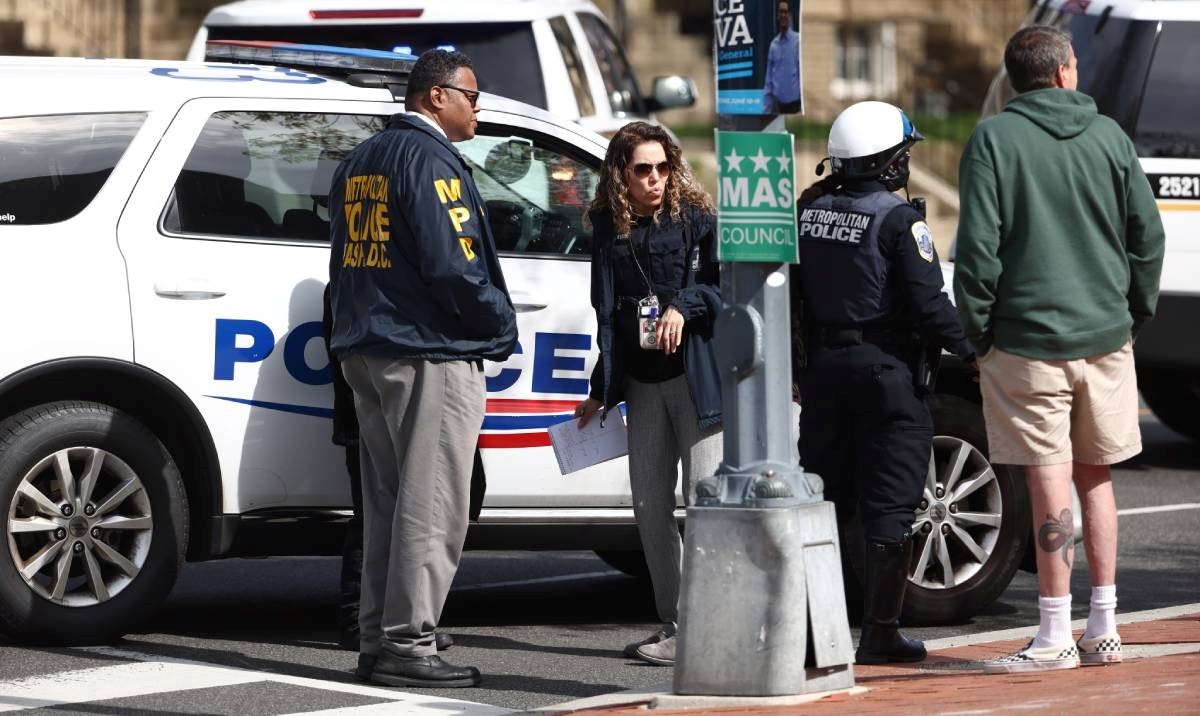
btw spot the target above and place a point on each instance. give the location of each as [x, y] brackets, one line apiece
[422, 671]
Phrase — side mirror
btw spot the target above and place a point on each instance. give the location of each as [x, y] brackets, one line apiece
[671, 92]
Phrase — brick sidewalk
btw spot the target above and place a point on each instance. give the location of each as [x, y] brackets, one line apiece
[950, 682]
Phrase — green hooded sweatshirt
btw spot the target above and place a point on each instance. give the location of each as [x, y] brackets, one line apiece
[1060, 244]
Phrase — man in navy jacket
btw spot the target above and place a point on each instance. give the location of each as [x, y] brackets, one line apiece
[418, 301]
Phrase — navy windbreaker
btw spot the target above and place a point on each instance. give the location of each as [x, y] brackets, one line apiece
[697, 297]
[413, 270]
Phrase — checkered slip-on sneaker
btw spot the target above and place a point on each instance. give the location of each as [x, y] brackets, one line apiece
[1104, 649]
[1047, 658]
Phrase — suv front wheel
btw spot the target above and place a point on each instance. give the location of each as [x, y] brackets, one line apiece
[95, 523]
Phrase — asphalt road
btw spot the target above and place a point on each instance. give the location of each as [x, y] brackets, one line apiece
[544, 628]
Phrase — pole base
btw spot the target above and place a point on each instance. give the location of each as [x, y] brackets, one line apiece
[752, 580]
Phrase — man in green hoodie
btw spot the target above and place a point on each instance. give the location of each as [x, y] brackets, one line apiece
[1059, 252]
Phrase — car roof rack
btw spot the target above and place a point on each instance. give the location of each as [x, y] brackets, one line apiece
[355, 66]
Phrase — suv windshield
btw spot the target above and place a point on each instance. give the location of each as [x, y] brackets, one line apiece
[1140, 72]
[499, 50]
[1169, 122]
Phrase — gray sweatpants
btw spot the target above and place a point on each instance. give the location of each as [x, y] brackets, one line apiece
[418, 425]
[663, 430]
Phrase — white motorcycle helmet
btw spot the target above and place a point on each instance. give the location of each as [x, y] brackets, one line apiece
[870, 140]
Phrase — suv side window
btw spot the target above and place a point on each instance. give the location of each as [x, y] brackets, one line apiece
[570, 55]
[619, 82]
[51, 167]
[1169, 121]
[535, 195]
[264, 174]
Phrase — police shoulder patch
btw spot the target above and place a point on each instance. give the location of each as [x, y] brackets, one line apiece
[924, 238]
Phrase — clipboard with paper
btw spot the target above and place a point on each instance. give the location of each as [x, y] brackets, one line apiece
[576, 448]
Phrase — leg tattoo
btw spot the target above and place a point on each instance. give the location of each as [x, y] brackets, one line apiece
[1058, 534]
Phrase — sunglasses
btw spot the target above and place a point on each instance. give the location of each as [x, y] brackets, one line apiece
[642, 170]
[471, 95]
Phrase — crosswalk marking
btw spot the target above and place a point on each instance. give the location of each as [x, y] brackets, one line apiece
[149, 674]
[1159, 508]
[114, 682]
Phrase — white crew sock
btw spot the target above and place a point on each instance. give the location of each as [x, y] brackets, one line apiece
[1102, 616]
[1054, 628]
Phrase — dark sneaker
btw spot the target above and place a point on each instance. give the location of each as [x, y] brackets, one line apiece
[660, 653]
[631, 650]
[422, 672]
[1104, 649]
[1047, 658]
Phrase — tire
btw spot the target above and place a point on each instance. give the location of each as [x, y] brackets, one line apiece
[1174, 397]
[629, 561]
[980, 528]
[85, 560]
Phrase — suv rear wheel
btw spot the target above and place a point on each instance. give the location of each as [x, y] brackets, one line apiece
[95, 523]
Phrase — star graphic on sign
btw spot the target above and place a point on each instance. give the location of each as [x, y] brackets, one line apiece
[760, 161]
[784, 160]
[734, 160]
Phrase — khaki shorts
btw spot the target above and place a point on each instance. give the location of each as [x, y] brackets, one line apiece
[1048, 412]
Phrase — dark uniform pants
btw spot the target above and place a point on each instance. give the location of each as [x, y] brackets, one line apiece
[866, 432]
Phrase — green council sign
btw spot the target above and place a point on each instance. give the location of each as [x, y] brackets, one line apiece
[756, 219]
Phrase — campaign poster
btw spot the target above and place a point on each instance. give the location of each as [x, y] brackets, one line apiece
[757, 56]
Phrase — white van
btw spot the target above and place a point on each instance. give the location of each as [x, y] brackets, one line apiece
[559, 55]
[1138, 59]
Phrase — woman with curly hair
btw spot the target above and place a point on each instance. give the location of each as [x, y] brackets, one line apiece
[655, 288]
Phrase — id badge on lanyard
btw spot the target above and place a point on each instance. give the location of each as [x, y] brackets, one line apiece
[648, 322]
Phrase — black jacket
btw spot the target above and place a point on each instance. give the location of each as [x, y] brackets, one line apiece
[413, 270]
[696, 295]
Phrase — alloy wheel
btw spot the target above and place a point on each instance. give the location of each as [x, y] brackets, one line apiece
[957, 523]
[79, 526]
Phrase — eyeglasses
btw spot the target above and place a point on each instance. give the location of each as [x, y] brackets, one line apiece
[471, 95]
[641, 171]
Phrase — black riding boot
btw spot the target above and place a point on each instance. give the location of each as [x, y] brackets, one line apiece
[886, 580]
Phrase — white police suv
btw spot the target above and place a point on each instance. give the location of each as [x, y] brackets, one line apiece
[164, 389]
[1138, 59]
[560, 55]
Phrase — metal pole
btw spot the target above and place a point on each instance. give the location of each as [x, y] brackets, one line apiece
[762, 608]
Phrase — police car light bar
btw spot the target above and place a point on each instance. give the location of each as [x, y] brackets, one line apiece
[398, 14]
[320, 59]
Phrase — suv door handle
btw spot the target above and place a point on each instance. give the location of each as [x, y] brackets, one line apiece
[528, 307]
[187, 291]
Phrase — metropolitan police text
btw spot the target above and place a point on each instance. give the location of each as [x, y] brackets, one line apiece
[833, 225]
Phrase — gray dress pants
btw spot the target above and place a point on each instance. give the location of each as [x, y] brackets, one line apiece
[663, 431]
[418, 425]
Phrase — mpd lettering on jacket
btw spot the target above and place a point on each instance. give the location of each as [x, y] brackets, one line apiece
[834, 225]
[367, 223]
[450, 190]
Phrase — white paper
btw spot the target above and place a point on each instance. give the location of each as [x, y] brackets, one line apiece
[577, 448]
